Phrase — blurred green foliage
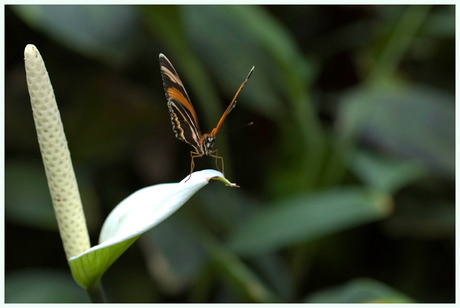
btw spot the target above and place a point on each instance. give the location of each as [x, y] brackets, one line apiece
[347, 175]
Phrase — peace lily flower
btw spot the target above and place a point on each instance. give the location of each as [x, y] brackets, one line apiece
[136, 214]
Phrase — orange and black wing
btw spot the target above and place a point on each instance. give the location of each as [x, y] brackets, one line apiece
[183, 115]
[231, 105]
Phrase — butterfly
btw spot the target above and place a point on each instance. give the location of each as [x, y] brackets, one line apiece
[183, 116]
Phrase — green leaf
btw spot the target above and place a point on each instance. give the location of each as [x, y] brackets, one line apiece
[441, 23]
[307, 217]
[245, 282]
[236, 49]
[27, 198]
[177, 258]
[135, 215]
[42, 286]
[184, 248]
[275, 270]
[413, 122]
[103, 32]
[360, 290]
[387, 174]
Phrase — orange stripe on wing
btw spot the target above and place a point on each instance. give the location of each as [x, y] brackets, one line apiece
[177, 95]
[232, 105]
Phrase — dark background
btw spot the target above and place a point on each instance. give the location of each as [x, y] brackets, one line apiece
[353, 110]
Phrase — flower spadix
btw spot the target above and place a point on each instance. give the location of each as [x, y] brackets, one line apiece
[56, 156]
[133, 216]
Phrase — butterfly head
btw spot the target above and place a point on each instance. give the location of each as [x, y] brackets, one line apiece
[208, 143]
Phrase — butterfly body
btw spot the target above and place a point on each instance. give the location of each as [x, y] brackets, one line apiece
[183, 116]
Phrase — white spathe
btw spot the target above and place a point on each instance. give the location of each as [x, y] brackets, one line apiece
[149, 206]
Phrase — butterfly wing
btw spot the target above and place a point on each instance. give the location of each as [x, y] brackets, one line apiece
[183, 115]
[231, 105]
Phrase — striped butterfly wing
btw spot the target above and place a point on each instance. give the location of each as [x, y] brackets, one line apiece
[183, 115]
[231, 105]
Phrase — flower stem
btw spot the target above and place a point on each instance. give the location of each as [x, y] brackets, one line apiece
[96, 293]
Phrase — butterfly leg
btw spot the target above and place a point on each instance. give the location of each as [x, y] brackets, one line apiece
[192, 164]
[221, 159]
